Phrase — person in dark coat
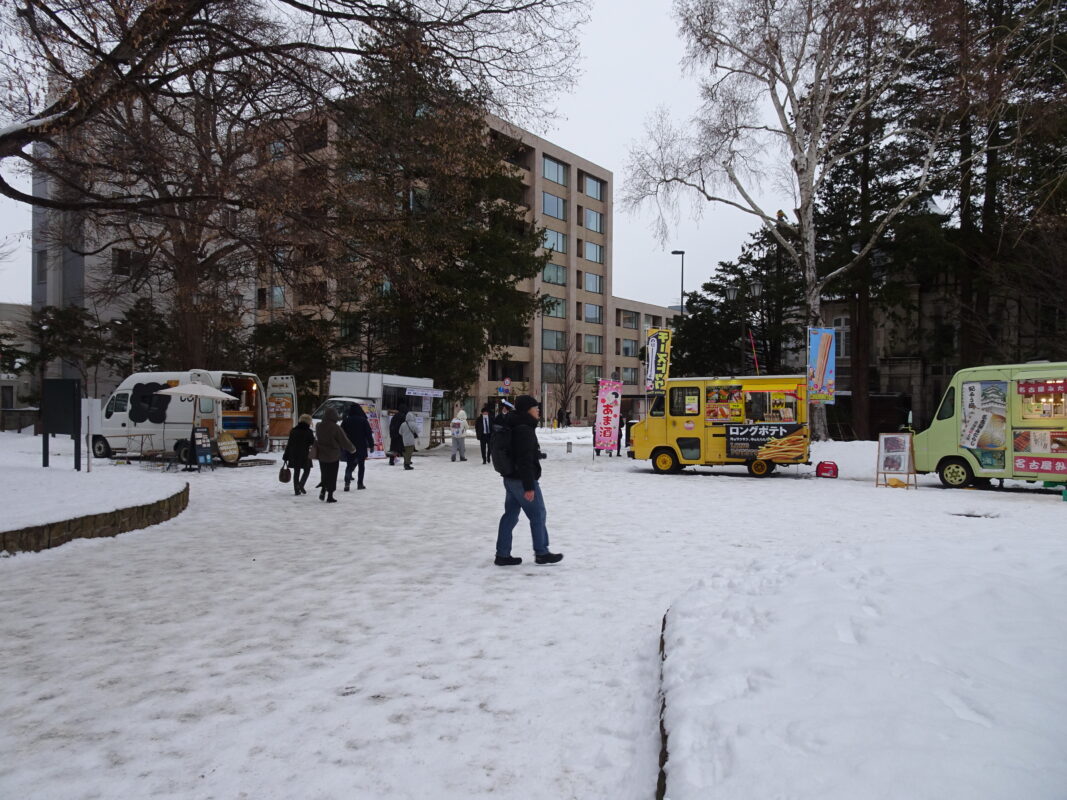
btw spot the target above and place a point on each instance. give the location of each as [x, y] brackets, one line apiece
[521, 488]
[505, 408]
[330, 440]
[483, 429]
[396, 441]
[357, 428]
[296, 453]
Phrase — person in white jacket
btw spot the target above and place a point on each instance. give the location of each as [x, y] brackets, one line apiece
[409, 432]
[459, 435]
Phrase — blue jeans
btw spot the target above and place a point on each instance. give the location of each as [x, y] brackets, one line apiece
[534, 510]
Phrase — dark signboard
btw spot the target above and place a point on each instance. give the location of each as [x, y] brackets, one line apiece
[202, 443]
[745, 441]
[61, 413]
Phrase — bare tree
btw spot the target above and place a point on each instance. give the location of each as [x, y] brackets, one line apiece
[781, 77]
[568, 383]
[64, 63]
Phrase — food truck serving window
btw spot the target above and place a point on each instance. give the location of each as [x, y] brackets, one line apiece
[685, 401]
[1043, 399]
[770, 406]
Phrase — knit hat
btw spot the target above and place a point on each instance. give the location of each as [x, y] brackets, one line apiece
[526, 402]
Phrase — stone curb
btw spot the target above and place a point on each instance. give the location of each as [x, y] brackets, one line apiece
[661, 783]
[93, 526]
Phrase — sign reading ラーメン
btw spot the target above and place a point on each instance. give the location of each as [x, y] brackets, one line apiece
[658, 360]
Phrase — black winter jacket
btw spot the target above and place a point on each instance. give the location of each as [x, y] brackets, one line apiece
[296, 449]
[357, 429]
[525, 451]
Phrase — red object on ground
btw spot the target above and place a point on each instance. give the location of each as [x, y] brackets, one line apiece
[826, 469]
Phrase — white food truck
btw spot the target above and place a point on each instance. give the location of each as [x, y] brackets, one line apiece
[137, 420]
[383, 393]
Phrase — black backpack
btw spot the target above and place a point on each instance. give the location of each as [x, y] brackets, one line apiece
[500, 450]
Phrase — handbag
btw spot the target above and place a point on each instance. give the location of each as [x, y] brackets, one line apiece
[313, 453]
[285, 474]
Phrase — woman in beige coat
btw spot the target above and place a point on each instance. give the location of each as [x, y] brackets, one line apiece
[330, 440]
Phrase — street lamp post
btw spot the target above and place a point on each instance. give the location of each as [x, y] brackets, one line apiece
[755, 289]
[681, 285]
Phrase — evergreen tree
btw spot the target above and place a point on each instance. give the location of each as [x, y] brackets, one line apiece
[297, 345]
[141, 340]
[432, 218]
[717, 334]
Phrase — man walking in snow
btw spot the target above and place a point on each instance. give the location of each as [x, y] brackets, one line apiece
[521, 488]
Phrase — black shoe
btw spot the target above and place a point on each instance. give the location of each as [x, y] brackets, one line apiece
[322, 494]
[507, 561]
[462, 459]
[360, 486]
[453, 459]
[331, 498]
[392, 461]
[348, 485]
[548, 558]
[407, 467]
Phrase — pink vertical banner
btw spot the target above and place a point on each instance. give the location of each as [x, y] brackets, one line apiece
[606, 426]
[375, 429]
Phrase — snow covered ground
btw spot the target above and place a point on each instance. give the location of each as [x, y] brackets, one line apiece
[827, 639]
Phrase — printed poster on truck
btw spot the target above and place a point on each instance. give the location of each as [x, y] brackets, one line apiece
[822, 354]
[984, 421]
[606, 426]
[375, 429]
[658, 361]
[770, 441]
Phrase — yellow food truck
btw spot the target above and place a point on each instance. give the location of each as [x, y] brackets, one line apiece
[1007, 421]
[755, 421]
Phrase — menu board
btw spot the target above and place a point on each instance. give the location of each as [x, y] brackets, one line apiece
[895, 453]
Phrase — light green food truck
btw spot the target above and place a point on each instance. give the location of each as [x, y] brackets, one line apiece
[1007, 421]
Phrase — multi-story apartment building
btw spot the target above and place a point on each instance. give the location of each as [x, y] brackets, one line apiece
[588, 333]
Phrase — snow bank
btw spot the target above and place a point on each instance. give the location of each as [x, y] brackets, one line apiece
[37, 496]
[919, 669]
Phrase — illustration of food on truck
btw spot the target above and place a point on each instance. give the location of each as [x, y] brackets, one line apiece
[760, 422]
[1003, 422]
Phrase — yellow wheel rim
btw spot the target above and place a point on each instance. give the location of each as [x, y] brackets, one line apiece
[664, 461]
[759, 467]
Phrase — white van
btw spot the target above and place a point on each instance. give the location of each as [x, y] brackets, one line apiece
[136, 420]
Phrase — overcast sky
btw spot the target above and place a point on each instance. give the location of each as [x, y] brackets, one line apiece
[631, 64]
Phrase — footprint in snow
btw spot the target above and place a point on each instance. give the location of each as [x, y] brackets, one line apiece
[963, 709]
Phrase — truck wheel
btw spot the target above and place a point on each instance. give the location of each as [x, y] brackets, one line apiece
[760, 468]
[955, 473]
[183, 450]
[664, 460]
[101, 449]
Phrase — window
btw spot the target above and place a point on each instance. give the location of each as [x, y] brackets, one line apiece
[553, 206]
[685, 401]
[553, 340]
[309, 294]
[515, 370]
[552, 373]
[40, 266]
[594, 314]
[311, 136]
[948, 405]
[594, 283]
[125, 263]
[276, 150]
[1043, 399]
[656, 409]
[594, 220]
[629, 319]
[277, 297]
[591, 374]
[629, 348]
[554, 240]
[116, 405]
[554, 273]
[594, 344]
[554, 171]
[629, 375]
[594, 187]
[555, 307]
[594, 252]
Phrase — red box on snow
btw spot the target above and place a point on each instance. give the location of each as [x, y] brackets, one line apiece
[826, 469]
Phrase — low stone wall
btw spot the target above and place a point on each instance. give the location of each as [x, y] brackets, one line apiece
[109, 523]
